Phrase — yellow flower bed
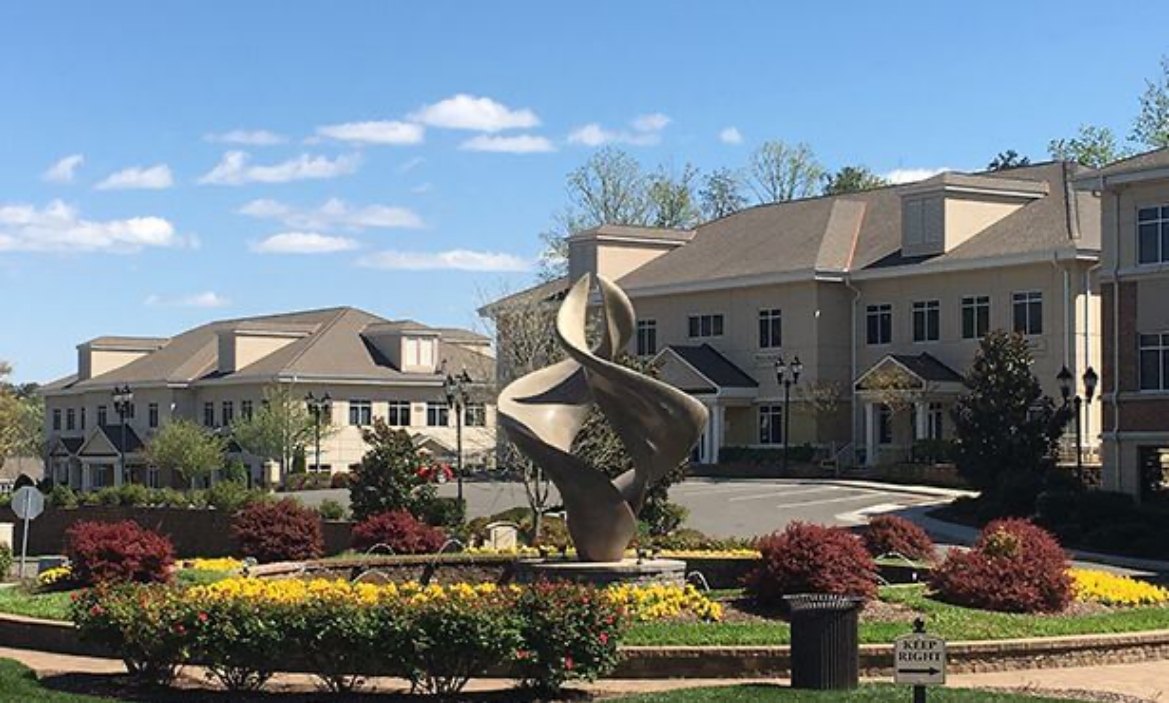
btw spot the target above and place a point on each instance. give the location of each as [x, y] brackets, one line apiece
[1112, 589]
[216, 564]
[48, 577]
[643, 603]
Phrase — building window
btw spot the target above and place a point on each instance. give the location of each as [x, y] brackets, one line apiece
[706, 325]
[1153, 235]
[1154, 353]
[83, 417]
[70, 420]
[647, 337]
[927, 321]
[975, 316]
[245, 409]
[880, 324]
[399, 414]
[360, 412]
[228, 413]
[321, 469]
[101, 416]
[884, 424]
[934, 421]
[437, 415]
[771, 424]
[1028, 312]
[475, 415]
[152, 415]
[152, 480]
[56, 419]
[209, 414]
[770, 329]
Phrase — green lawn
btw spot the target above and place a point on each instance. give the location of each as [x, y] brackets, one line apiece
[881, 693]
[18, 685]
[50, 606]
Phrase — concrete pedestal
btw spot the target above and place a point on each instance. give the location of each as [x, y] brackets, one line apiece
[668, 571]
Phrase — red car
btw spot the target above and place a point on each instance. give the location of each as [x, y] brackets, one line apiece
[437, 473]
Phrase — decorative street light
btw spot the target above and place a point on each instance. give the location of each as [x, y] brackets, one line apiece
[781, 377]
[123, 405]
[1066, 388]
[318, 407]
[455, 389]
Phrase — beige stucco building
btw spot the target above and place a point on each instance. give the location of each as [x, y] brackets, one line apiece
[368, 366]
[883, 295]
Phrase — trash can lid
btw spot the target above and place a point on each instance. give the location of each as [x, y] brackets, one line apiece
[802, 602]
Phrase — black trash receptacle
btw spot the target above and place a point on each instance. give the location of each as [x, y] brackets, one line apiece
[825, 645]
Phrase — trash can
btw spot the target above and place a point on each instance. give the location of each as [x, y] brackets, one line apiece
[825, 647]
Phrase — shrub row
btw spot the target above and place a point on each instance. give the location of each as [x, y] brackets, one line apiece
[436, 638]
[228, 496]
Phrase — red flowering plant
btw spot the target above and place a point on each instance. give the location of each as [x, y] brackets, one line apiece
[569, 631]
[148, 627]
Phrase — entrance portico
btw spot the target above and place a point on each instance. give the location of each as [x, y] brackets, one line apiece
[920, 387]
[106, 448]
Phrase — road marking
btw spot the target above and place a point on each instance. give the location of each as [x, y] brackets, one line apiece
[861, 516]
[715, 489]
[823, 502]
[772, 494]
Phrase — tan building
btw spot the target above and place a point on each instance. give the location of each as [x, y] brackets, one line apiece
[883, 296]
[368, 366]
[1134, 277]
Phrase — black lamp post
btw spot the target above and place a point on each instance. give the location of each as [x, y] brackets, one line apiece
[1066, 388]
[455, 389]
[318, 407]
[123, 400]
[783, 378]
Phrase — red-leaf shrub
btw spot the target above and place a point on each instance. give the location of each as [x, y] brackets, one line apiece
[339, 480]
[118, 552]
[891, 534]
[400, 531]
[807, 558]
[1014, 567]
[280, 531]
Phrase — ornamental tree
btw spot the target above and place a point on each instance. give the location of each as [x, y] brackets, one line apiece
[387, 477]
[187, 448]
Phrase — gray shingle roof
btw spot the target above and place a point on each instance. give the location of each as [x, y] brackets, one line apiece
[718, 369]
[928, 367]
[1158, 158]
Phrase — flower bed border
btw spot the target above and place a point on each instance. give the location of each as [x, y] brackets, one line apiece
[746, 661]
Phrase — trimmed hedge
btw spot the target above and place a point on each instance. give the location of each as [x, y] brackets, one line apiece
[281, 531]
[400, 531]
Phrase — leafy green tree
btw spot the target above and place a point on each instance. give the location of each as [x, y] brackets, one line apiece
[672, 199]
[187, 448]
[721, 194]
[22, 413]
[280, 429]
[1006, 429]
[779, 172]
[387, 477]
[1092, 146]
[1151, 126]
[1007, 159]
[852, 179]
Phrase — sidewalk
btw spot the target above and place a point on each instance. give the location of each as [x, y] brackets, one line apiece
[1147, 681]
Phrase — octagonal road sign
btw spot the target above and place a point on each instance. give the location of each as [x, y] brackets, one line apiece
[28, 503]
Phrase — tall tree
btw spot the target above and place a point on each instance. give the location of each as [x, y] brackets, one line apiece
[186, 447]
[671, 198]
[21, 418]
[780, 172]
[852, 179]
[1092, 146]
[280, 429]
[387, 477]
[1007, 159]
[721, 194]
[1151, 126]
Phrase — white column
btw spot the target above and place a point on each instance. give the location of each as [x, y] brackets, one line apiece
[119, 466]
[871, 437]
[921, 420]
[718, 424]
[86, 477]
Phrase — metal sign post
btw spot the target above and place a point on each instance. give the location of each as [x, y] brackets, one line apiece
[920, 660]
[27, 503]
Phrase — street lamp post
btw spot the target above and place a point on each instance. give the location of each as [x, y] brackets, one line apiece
[123, 398]
[317, 406]
[783, 378]
[455, 389]
[1066, 388]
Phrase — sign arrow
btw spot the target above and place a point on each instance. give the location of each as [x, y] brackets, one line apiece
[930, 671]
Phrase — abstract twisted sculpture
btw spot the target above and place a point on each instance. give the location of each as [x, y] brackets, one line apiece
[543, 411]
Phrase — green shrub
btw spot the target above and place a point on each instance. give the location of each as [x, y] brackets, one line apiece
[133, 494]
[444, 512]
[235, 471]
[238, 640]
[801, 454]
[230, 496]
[62, 497]
[662, 518]
[453, 643]
[933, 451]
[5, 561]
[144, 626]
[331, 509]
[110, 495]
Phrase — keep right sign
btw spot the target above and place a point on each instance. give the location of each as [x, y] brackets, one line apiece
[919, 660]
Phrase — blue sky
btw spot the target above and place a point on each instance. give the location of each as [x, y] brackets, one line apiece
[139, 193]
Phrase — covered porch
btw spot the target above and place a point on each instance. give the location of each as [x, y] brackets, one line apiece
[905, 402]
[110, 456]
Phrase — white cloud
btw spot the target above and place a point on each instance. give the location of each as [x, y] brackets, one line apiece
[252, 137]
[909, 175]
[456, 259]
[518, 144]
[57, 227]
[378, 132]
[138, 178]
[64, 170]
[303, 243]
[333, 213]
[730, 135]
[464, 111]
[206, 299]
[646, 131]
[411, 164]
[234, 169]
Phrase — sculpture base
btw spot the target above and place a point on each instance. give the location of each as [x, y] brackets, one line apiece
[644, 571]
